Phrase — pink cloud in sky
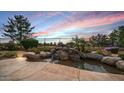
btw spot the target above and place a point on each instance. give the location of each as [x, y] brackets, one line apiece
[73, 22]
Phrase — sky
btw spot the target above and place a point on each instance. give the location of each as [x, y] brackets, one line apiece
[56, 24]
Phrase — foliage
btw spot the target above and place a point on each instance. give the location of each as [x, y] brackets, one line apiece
[114, 38]
[99, 40]
[11, 46]
[79, 43]
[99, 52]
[121, 35]
[103, 52]
[8, 54]
[35, 50]
[70, 44]
[121, 56]
[117, 37]
[87, 51]
[17, 28]
[29, 43]
[113, 50]
[46, 48]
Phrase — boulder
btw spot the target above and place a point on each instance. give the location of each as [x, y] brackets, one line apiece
[55, 57]
[65, 49]
[110, 60]
[62, 55]
[56, 61]
[120, 64]
[74, 57]
[32, 57]
[45, 54]
[65, 53]
[53, 51]
[94, 52]
[93, 56]
[58, 48]
[60, 44]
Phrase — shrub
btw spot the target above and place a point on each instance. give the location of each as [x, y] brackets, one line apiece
[29, 43]
[99, 52]
[35, 50]
[46, 48]
[1, 54]
[103, 52]
[113, 50]
[87, 51]
[8, 54]
[121, 56]
[11, 46]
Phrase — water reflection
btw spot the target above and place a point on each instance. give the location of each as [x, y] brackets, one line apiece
[93, 65]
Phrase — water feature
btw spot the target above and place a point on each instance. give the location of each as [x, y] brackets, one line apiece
[93, 65]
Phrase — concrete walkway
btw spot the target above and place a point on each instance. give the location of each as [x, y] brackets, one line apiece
[19, 69]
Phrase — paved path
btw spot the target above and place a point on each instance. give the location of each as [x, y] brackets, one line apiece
[19, 69]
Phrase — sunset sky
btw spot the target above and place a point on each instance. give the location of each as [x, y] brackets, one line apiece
[69, 24]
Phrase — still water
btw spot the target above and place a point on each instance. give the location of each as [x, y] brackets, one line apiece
[93, 65]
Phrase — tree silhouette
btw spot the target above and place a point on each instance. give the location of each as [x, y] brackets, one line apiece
[79, 43]
[121, 35]
[99, 40]
[114, 38]
[17, 28]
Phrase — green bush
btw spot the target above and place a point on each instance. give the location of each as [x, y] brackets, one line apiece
[99, 52]
[46, 48]
[35, 50]
[113, 50]
[29, 43]
[11, 46]
[87, 51]
[121, 56]
[103, 52]
[8, 54]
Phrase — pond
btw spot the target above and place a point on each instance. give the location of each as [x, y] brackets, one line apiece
[93, 65]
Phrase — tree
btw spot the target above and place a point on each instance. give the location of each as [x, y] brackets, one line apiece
[82, 44]
[99, 40]
[17, 28]
[76, 42]
[79, 43]
[114, 38]
[121, 35]
[117, 36]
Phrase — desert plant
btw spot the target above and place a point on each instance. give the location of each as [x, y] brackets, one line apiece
[79, 43]
[121, 56]
[46, 48]
[35, 50]
[113, 50]
[70, 44]
[11, 46]
[99, 52]
[29, 43]
[99, 40]
[8, 54]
